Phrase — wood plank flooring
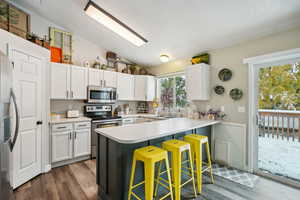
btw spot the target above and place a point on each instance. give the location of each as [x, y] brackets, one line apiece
[78, 182]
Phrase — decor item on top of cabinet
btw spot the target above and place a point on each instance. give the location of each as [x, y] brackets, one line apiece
[143, 71]
[219, 90]
[133, 69]
[202, 58]
[97, 64]
[225, 74]
[86, 63]
[236, 94]
[62, 40]
[14, 20]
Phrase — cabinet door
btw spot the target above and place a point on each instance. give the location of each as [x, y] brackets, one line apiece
[61, 146]
[78, 82]
[125, 86]
[95, 76]
[140, 87]
[151, 85]
[110, 79]
[198, 82]
[60, 81]
[82, 142]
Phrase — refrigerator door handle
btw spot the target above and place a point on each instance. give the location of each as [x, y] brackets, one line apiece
[14, 140]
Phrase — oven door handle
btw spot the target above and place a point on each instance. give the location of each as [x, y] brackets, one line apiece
[109, 122]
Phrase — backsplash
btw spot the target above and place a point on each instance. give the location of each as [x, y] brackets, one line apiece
[62, 106]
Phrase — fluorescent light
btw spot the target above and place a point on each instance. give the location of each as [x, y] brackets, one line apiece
[164, 58]
[109, 21]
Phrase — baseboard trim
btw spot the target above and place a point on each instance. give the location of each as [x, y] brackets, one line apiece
[47, 168]
[67, 162]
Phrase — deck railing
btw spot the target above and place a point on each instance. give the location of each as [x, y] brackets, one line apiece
[280, 124]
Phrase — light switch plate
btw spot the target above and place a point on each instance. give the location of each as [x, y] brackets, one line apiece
[241, 109]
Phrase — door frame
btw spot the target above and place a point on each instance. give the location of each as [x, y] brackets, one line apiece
[254, 64]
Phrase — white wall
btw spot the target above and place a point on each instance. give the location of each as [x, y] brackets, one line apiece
[82, 48]
[232, 58]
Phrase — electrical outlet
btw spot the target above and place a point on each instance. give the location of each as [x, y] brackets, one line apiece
[222, 108]
[241, 109]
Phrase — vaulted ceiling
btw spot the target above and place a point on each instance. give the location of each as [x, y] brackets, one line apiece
[178, 28]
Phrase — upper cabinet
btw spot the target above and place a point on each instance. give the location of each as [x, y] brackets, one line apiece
[125, 86]
[60, 81]
[68, 82]
[198, 82]
[79, 82]
[102, 78]
[144, 88]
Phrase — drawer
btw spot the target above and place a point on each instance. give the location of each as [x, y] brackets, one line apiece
[62, 127]
[82, 125]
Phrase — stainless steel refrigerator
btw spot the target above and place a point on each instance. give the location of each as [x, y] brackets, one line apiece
[9, 123]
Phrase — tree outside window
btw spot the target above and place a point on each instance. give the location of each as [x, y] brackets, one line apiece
[173, 92]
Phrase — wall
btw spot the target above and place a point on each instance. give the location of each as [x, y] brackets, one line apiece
[232, 58]
[82, 48]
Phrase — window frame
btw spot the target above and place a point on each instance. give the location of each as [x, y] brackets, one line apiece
[158, 89]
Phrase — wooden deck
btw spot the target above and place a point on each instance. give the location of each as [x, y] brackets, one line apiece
[78, 182]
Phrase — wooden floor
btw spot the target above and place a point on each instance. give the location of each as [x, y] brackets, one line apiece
[78, 181]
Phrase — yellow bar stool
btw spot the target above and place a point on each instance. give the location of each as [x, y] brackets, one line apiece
[149, 156]
[177, 147]
[196, 142]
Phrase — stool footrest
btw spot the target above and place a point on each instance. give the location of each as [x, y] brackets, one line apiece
[136, 196]
[136, 185]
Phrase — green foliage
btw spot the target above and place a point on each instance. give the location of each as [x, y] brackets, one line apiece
[167, 86]
[279, 87]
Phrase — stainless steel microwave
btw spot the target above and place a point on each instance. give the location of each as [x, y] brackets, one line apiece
[97, 94]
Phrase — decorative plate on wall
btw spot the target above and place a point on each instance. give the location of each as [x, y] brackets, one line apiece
[225, 74]
[236, 94]
[219, 89]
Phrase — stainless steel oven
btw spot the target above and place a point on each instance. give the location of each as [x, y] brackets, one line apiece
[98, 95]
[101, 124]
[101, 118]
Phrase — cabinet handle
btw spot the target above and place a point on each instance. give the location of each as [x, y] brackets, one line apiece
[101, 83]
[70, 136]
[67, 94]
[72, 94]
[75, 135]
[104, 83]
[61, 127]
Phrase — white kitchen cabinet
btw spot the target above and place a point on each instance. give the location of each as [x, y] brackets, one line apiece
[144, 88]
[198, 82]
[95, 77]
[110, 79]
[61, 146]
[82, 142]
[125, 86]
[70, 141]
[79, 82]
[102, 78]
[68, 82]
[60, 81]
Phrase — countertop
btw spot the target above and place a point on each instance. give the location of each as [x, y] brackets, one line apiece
[69, 120]
[134, 133]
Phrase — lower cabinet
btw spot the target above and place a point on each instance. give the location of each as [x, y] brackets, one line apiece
[70, 141]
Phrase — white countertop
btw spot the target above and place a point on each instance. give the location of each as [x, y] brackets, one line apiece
[134, 133]
[69, 120]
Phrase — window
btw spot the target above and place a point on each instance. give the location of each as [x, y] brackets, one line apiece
[171, 91]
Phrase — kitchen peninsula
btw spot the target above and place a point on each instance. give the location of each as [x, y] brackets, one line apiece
[115, 148]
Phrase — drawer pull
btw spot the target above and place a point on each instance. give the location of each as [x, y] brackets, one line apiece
[61, 127]
[82, 125]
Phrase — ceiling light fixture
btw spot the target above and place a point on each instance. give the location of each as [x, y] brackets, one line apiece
[164, 58]
[109, 21]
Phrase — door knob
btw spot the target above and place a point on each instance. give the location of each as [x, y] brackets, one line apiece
[39, 122]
